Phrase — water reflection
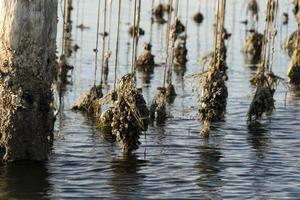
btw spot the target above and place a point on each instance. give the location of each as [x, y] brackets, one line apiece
[146, 74]
[252, 67]
[107, 137]
[180, 71]
[161, 135]
[210, 169]
[98, 134]
[251, 61]
[24, 180]
[126, 179]
[294, 97]
[258, 139]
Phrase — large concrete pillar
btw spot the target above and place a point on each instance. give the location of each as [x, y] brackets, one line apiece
[27, 55]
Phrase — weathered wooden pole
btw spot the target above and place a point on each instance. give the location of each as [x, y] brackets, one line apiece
[27, 56]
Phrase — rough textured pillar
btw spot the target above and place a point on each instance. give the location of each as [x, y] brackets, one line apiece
[27, 55]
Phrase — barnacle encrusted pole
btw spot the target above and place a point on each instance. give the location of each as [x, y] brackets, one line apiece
[128, 116]
[105, 119]
[88, 102]
[264, 79]
[253, 13]
[166, 93]
[135, 29]
[130, 112]
[108, 52]
[63, 67]
[180, 51]
[105, 53]
[294, 66]
[296, 10]
[253, 45]
[27, 57]
[252, 48]
[214, 92]
[158, 111]
[167, 45]
[176, 29]
[158, 13]
[145, 62]
[291, 42]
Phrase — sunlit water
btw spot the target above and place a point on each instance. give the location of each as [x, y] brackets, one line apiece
[173, 161]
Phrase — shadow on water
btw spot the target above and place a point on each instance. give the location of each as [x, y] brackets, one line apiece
[126, 179]
[24, 180]
[210, 169]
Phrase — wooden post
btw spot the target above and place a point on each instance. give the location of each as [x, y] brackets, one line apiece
[27, 57]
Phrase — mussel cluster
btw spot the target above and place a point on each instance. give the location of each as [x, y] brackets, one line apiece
[294, 68]
[263, 102]
[130, 114]
[134, 31]
[158, 106]
[170, 93]
[292, 42]
[296, 10]
[253, 47]
[159, 12]
[253, 9]
[177, 29]
[88, 103]
[146, 59]
[180, 52]
[198, 18]
[215, 93]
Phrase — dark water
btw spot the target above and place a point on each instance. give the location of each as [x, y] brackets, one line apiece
[173, 161]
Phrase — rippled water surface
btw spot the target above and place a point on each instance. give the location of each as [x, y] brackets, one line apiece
[173, 161]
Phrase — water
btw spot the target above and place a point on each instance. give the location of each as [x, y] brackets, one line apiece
[173, 161]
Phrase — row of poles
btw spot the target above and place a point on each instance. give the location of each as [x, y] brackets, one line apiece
[268, 42]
